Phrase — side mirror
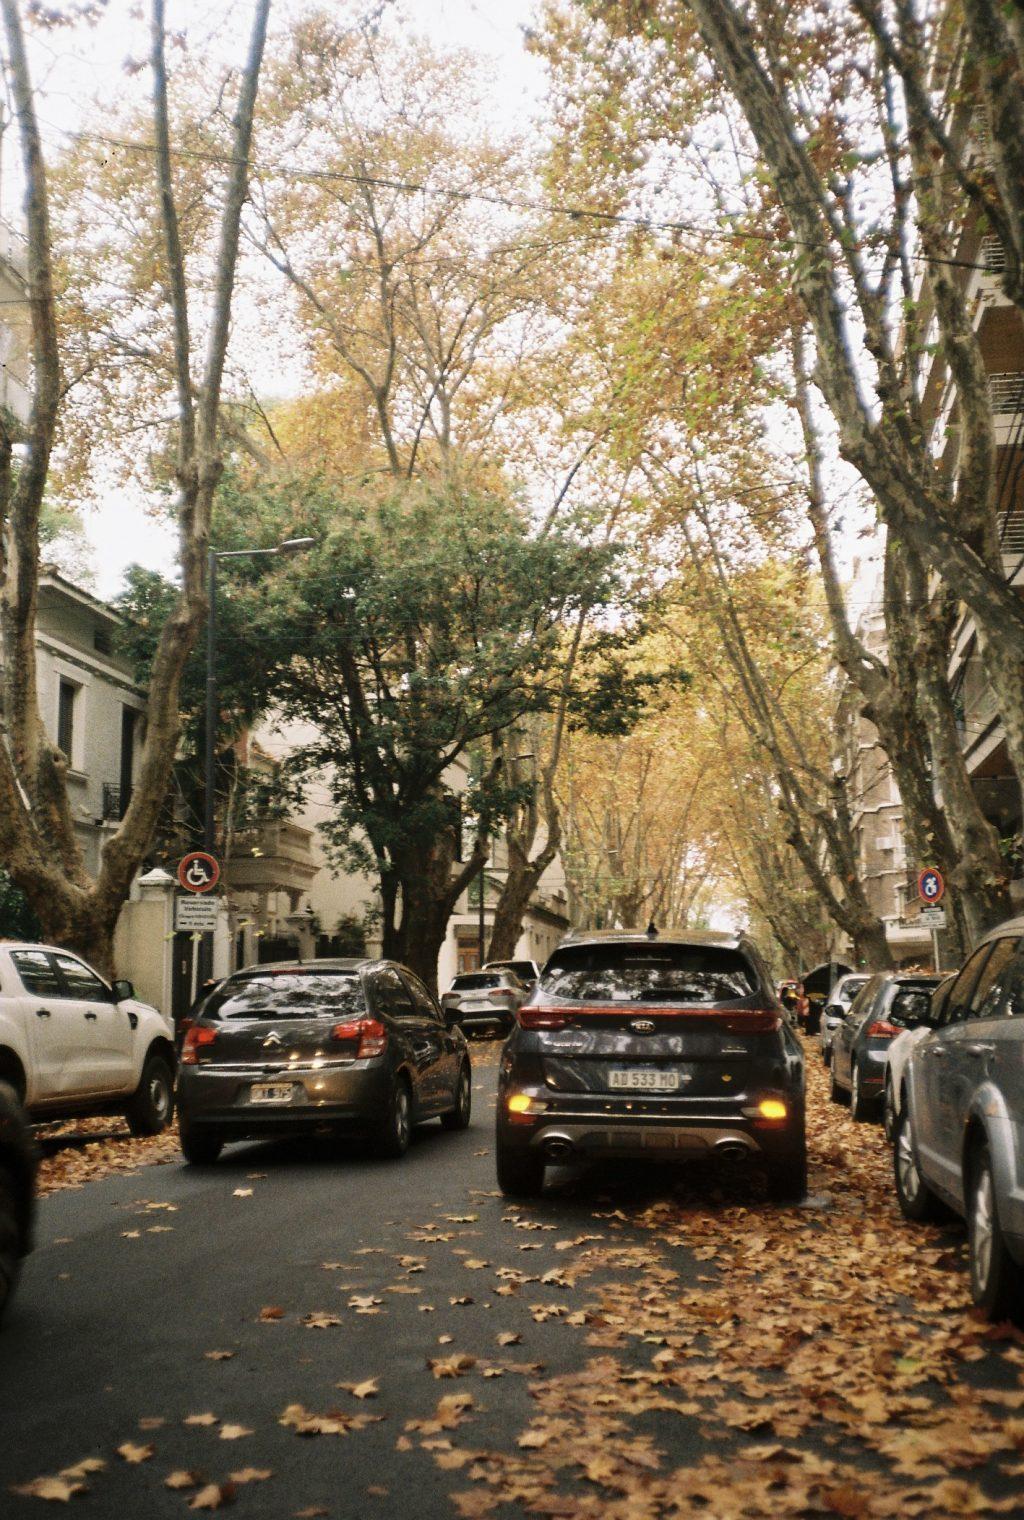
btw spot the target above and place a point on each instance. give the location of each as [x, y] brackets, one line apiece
[123, 990]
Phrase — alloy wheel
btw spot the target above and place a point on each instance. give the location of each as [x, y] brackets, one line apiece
[160, 1097]
[855, 1089]
[402, 1115]
[906, 1161]
[982, 1222]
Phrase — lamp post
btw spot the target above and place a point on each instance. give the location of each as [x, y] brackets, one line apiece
[289, 546]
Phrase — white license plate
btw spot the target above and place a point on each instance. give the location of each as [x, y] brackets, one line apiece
[643, 1079]
[271, 1092]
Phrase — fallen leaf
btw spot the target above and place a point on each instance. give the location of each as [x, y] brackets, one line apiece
[58, 1490]
[365, 1390]
[218, 1356]
[270, 1312]
[206, 1418]
[320, 1320]
[509, 1338]
[182, 1479]
[234, 1432]
[213, 1496]
[134, 1454]
[84, 1468]
[251, 1475]
[451, 1366]
[242, 1193]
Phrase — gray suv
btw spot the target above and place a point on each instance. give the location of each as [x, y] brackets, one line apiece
[960, 1133]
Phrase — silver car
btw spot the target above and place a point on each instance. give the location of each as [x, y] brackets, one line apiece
[960, 1130]
[484, 1002]
[837, 1007]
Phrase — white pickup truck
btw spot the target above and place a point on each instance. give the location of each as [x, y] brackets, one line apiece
[72, 1044]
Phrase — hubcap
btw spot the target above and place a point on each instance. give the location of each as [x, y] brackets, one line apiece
[982, 1222]
[910, 1181]
[855, 1088]
[159, 1096]
[402, 1114]
[463, 1095]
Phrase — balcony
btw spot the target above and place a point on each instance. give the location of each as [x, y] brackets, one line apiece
[115, 802]
[1006, 393]
[274, 856]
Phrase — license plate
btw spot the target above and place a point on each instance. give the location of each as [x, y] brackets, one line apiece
[643, 1079]
[271, 1092]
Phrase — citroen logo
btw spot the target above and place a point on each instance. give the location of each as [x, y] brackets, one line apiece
[273, 1038]
[642, 1026]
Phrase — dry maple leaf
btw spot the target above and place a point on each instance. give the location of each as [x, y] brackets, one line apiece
[83, 1469]
[242, 1193]
[451, 1366]
[234, 1432]
[206, 1418]
[57, 1490]
[182, 1479]
[461, 1218]
[320, 1320]
[133, 1454]
[460, 1302]
[271, 1312]
[311, 1512]
[251, 1475]
[475, 1264]
[509, 1338]
[218, 1356]
[365, 1303]
[365, 1390]
[213, 1496]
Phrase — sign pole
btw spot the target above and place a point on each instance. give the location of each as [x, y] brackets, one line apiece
[935, 949]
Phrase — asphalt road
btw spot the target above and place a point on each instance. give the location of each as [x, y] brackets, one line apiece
[137, 1278]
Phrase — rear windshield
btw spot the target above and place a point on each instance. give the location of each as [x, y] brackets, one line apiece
[286, 995]
[648, 973]
[476, 979]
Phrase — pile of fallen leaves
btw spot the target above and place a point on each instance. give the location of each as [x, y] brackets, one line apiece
[84, 1150]
[820, 1360]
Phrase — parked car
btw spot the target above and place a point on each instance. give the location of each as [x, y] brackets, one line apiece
[484, 1001]
[890, 1002]
[835, 1010]
[961, 1118]
[72, 1043]
[17, 1191]
[899, 1055]
[319, 1046]
[818, 984]
[657, 1048]
[528, 972]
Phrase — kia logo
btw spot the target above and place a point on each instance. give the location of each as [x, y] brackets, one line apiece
[642, 1026]
[273, 1038]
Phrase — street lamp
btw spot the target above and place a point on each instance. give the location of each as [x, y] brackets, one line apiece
[289, 546]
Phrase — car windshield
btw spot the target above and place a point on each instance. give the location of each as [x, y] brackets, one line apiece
[648, 973]
[848, 989]
[286, 995]
[474, 980]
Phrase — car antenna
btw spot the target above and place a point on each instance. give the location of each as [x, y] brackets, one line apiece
[652, 930]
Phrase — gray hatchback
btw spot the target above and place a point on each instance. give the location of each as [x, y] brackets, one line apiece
[960, 1133]
[335, 1046]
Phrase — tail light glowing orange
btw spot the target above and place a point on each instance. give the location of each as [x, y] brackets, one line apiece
[881, 1029]
[198, 1035]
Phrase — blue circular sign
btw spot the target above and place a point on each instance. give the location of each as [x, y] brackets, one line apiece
[930, 886]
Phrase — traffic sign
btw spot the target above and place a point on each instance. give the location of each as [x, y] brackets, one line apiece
[198, 872]
[196, 915]
[932, 918]
[930, 886]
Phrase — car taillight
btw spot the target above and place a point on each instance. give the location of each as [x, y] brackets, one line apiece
[196, 1036]
[371, 1034]
[542, 1018]
[881, 1029]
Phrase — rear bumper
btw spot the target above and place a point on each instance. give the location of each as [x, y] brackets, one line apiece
[351, 1095]
[567, 1135]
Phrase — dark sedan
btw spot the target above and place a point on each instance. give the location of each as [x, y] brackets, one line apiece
[17, 1191]
[666, 1048]
[891, 1002]
[330, 1046]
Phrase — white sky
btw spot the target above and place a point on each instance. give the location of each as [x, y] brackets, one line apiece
[76, 72]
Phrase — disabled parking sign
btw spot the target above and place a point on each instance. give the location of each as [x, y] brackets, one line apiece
[198, 872]
[930, 886]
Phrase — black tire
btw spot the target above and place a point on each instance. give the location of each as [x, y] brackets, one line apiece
[200, 1146]
[10, 1238]
[862, 1107]
[997, 1281]
[152, 1105]
[836, 1093]
[889, 1111]
[787, 1176]
[520, 1173]
[459, 1115]
[916, 1200]
[395, 1130]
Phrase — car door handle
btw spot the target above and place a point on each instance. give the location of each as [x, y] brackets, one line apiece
[42, 1013]
[92, 1016]
[980, 1048]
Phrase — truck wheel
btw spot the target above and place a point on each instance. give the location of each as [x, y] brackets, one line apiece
[520, 1173]
[152, 1104]
[997, 1281]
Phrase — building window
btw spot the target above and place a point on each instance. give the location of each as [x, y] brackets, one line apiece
[129, 718]
[66, 719]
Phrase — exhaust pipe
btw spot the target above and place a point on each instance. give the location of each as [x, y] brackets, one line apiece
[558, 1148]
[732, 1150]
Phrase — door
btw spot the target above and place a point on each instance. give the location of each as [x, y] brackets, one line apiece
[862, 1007]
[55, 1028]
[108, 1053]
[934, 1100]
[450, 1059]
[420, 1036]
